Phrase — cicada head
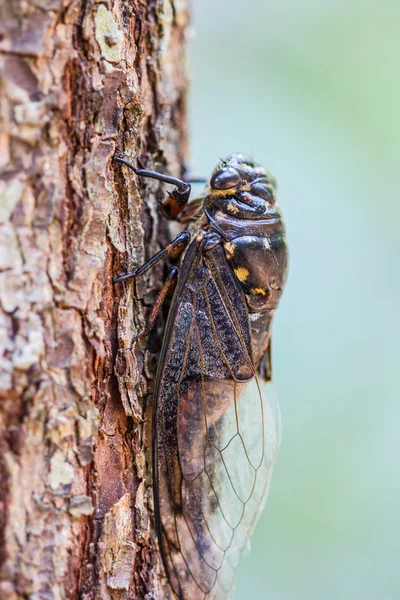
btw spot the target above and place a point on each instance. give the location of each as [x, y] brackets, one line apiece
[240, 187]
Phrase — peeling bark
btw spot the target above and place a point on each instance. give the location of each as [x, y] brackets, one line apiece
[81, 81]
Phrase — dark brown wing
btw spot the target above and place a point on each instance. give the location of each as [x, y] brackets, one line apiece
[215, 432]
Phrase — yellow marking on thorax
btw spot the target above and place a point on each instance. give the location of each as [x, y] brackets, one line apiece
[256, 291]
[241, 273]
[230, 249]
[232, 208]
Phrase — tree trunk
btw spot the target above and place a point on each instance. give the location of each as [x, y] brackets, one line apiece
[82, 81]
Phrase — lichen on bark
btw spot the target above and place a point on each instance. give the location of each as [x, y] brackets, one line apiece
[81, 81]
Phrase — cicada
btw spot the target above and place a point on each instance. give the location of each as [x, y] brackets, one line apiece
[216, 421]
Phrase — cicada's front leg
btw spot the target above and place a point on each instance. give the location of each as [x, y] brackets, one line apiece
[173, 207]
[176, 200]
[174, 249]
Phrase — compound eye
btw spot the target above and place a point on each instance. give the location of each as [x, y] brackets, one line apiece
[225, 178]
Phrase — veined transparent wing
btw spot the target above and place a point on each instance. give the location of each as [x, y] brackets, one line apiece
[216, 431]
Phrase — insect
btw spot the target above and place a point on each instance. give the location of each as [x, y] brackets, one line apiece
[216, 422]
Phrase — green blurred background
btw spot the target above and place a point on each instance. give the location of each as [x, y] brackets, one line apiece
[311, 90]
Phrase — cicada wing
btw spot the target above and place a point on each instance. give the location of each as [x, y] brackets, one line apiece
[242, 473]
[217, 431]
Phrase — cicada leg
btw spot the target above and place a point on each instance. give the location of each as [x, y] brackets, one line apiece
[169, 283]
[176, 200]
[265, 367]
[172, 206]
[174, 249]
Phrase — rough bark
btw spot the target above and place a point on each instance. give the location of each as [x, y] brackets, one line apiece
[81, 80]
